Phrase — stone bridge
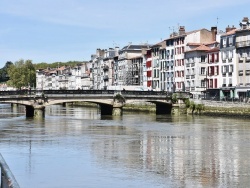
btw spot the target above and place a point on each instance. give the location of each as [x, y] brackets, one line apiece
[110, 101]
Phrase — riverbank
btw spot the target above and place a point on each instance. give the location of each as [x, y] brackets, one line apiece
[222, 108]
[136, 107]
[200, 107]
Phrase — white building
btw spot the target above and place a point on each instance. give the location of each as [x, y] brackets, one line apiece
[71, 78]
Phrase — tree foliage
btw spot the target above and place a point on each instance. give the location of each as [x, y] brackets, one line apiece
[22, 74]
[3, 71]
[44, 65]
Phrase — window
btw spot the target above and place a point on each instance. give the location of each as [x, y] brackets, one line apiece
[230, 55]
[216, 59]
[203, 83]
[203, 58]
[247, 72]
[224, 82]
[224, 69]
[224, 42]
[230, 39]
[223, 55]
[241, 73]
[230, 68]
[203, 69]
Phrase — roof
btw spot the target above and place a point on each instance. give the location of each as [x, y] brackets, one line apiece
[200, 48]
[193, 44]
[136, 57]
[134, 47]
[216, 49]
[230, 32]
[186, 33]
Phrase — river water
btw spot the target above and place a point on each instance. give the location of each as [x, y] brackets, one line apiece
[76, 147]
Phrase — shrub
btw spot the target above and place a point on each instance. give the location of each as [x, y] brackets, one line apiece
[119, 98]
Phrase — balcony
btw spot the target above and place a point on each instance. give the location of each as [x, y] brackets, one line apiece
[105, 68]
[84, 75]
[106, 78]
[242, 44]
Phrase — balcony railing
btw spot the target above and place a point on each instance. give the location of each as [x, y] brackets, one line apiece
[105, 78]
[243, 43]
[105, 68]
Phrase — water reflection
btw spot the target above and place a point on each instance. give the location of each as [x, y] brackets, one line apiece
[135, 149]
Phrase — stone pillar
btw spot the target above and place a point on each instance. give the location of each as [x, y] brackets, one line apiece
[14, 107]
[39, 112]
[117, 108]
[178, 109]
[29, 111]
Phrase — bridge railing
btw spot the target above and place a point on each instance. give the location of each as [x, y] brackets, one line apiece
[7, 178]
[77, 92]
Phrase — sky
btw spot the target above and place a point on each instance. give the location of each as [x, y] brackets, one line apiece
[71, 30]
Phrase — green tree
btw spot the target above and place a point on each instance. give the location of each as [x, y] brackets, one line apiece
[3, 72]
[22, 74]
[44, 65]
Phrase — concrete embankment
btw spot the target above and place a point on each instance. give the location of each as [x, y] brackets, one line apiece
[222, 108]
[202, 107]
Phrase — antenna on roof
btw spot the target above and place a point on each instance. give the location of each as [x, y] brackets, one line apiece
[217, 21]
[129, 44]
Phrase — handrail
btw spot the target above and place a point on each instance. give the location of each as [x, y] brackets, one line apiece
[7, 178]
[82, 92]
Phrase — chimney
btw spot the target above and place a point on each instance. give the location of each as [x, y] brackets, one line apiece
[182, 30]
[245, 19]
[244, 24]
[214, 33]
[228, 28]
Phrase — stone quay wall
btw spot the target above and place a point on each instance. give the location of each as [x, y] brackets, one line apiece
[224, 108]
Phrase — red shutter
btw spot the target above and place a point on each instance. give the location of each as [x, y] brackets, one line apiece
[148, 64]
[149, 74]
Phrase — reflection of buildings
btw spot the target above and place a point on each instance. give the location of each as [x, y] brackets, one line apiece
[76, 112]
[189, 155]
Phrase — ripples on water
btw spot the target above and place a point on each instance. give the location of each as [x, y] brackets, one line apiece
[76, 147]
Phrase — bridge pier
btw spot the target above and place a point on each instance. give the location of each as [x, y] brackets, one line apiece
[106, 109]
[29, 111]
[39, 112]
[14, 107]
[117, 108]
[35, 111]
[179, 108]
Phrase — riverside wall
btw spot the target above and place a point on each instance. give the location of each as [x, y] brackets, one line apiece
[211, 108]
[223, 108]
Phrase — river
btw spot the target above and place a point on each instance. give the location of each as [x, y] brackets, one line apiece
[77, 147]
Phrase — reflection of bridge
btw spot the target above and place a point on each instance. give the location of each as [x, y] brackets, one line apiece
[108, 101]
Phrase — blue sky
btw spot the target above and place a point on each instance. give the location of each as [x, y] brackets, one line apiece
[64, 30]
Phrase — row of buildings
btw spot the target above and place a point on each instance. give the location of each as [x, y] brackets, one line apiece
[206, 63]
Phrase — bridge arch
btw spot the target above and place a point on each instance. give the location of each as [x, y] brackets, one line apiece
[106, 99]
